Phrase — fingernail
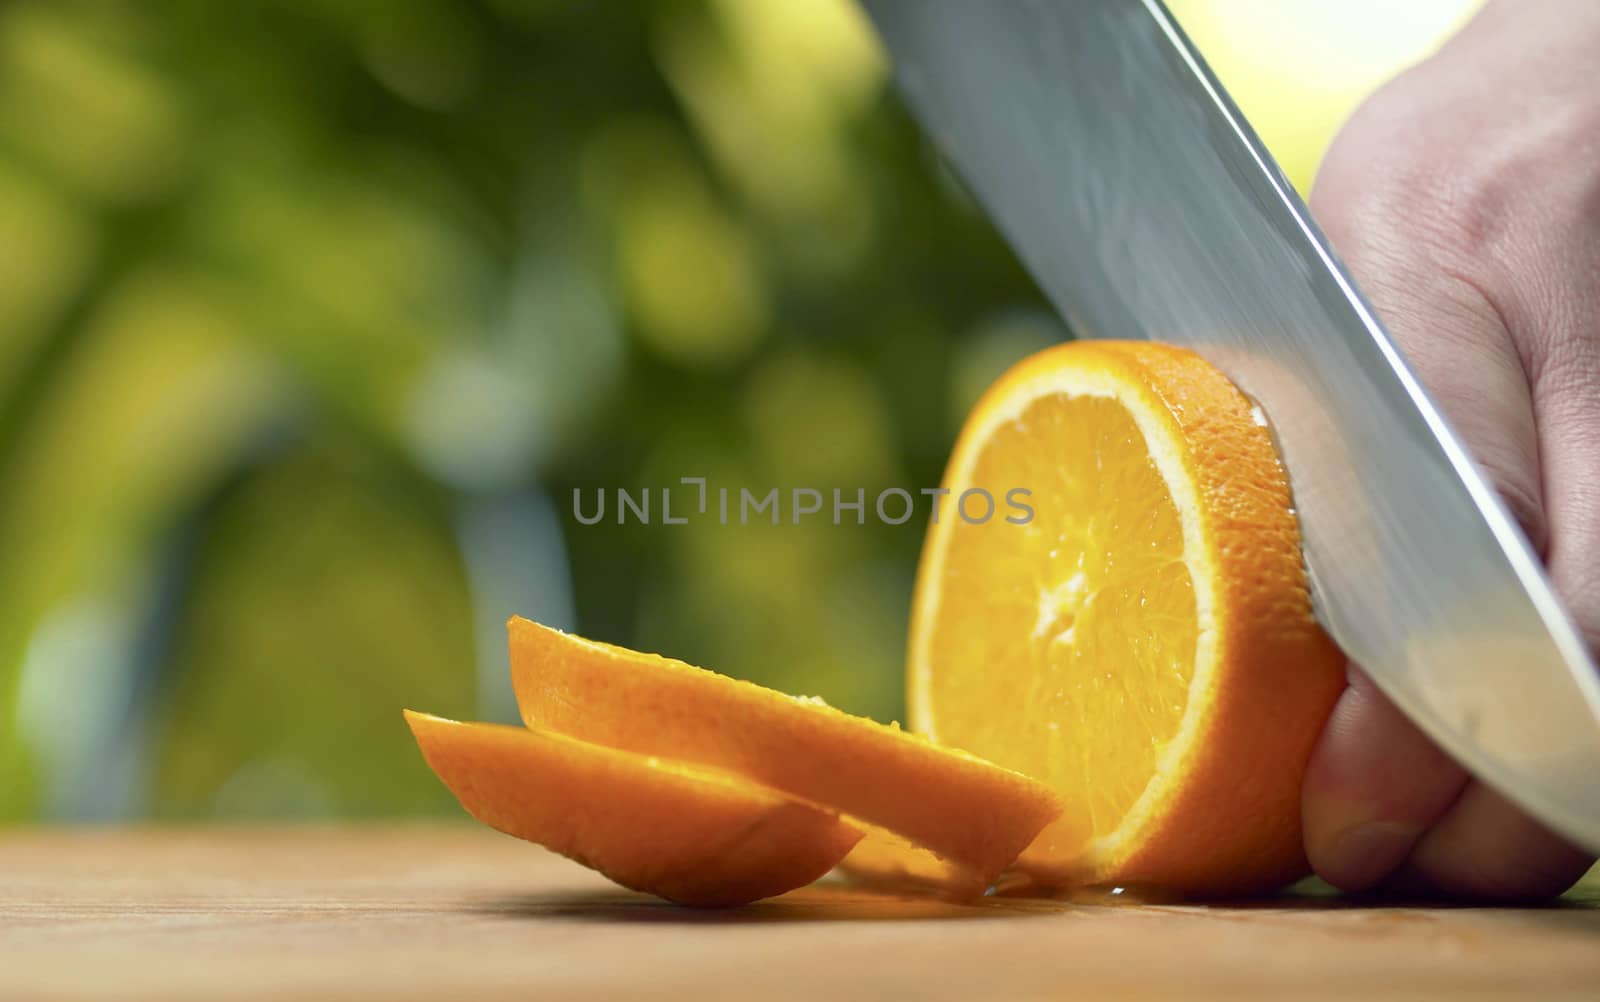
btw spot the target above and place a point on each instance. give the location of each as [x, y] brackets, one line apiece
[1363, 854]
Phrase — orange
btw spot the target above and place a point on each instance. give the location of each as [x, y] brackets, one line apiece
[888, 862]
[689, 835]
[1144, 643]
[974, 815]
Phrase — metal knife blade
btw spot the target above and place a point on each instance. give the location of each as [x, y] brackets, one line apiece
[1138, 196]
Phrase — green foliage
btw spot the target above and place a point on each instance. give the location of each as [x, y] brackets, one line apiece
[303, 629]
[287, 287]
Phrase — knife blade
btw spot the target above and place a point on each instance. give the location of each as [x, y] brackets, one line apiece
[1138, 196]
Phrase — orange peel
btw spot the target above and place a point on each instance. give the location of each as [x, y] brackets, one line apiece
[693, 836]
[974, 815]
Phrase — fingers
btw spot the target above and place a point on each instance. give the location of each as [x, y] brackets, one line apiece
[1377, 790]
[1384, 807]
[1478, 245]
[1484, 847]
[1374, 786]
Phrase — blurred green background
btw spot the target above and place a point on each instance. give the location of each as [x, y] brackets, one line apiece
[314, 313]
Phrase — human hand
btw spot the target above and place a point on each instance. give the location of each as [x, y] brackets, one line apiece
[1465, 198]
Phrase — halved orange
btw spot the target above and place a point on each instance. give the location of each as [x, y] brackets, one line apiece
[694, 836]
[1144, 643]
[974, 815]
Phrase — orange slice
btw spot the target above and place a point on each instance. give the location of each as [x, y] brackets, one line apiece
[975, 815]
[1144, 643]
[689, 835]
[885, 861]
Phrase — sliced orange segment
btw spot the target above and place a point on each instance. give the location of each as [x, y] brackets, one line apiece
[689, 835]
[885, 861]
[975, 815]
[1145, 643]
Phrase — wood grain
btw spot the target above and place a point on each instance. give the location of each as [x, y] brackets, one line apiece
[453, 912]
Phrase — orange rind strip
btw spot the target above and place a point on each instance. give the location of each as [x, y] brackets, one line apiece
[975, 816]
[693, 836]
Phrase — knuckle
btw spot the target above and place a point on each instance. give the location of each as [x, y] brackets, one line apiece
[1384, 189]
[1520, 491]
[1405, 164]
[1565, 372]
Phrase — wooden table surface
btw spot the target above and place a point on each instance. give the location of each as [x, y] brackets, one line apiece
[459, 912]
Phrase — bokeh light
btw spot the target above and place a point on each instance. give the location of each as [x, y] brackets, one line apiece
[313, 316]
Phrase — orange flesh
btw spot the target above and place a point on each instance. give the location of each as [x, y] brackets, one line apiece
[1090, 608]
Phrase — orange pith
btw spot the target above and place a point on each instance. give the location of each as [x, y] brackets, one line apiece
[1144, 645]
[688, 835]
[973, 814]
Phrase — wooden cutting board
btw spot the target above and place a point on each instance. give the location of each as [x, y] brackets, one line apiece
[457, 912]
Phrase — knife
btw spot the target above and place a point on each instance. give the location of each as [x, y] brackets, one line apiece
[1138, 196]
